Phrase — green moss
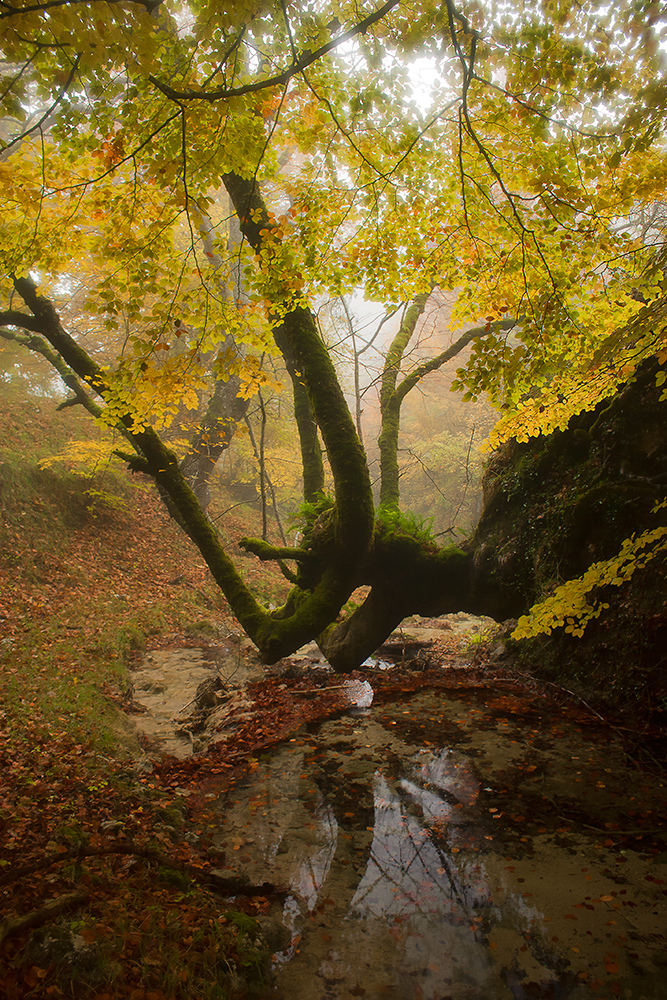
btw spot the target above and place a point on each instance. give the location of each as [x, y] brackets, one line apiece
[309, 511]
[175, 879]
[388, 445]
[243, 922]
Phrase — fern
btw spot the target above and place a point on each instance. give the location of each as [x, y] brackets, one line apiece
[394, 522]
[308, 512]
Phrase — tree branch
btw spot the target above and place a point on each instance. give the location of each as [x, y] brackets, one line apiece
[40, 346]
[9, 11]
[298, 65]
[37, 126]
[265, 551]
[12, 317]
[441, 359]
[50, 910]
[389, 404]
[161, 464]
[308, 612]
[391, 397]
[298, 339]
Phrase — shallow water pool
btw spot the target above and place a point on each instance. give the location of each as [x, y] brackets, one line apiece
[455, 848]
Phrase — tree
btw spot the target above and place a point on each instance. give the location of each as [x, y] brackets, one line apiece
[126, 126]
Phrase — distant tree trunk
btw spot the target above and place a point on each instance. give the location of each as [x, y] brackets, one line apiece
[390, 403]
[393, 394]
[225, 409]
[213, 436]
[355, 358]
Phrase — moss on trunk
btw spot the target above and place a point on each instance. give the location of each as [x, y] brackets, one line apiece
[276, 634]
[407, 575]
[297, 336]
[390, 404]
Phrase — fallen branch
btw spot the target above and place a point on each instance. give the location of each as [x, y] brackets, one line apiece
[322, 690]
[50, 910]
[636, 832]
[229, 885]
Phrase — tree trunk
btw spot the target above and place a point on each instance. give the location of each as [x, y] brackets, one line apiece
[213, 436]
[297, 337]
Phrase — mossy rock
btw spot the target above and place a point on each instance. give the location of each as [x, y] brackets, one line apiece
[556, 505]
[552, 507]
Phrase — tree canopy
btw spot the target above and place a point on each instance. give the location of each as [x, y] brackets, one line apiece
[206, 173]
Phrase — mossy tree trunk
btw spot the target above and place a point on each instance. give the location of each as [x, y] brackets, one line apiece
[390, 404]
[298, 338]
[307, 612]
[393, 393]
[550, 506]
[406, 577]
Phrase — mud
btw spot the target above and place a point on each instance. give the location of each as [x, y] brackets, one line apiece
[165, 689]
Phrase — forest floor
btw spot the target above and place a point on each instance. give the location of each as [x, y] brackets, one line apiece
[91, 570]
[105, 889]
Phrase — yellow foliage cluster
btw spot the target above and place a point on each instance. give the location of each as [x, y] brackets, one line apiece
[85, 457]
[252, 378]
[570, 604]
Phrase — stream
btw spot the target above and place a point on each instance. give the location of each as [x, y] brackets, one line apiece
[451, 845]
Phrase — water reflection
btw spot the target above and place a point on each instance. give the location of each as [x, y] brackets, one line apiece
[401, 913]
[399, 887]
[311, 872]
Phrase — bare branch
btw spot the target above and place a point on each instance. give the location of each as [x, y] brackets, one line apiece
[298, 65]
[47, 114]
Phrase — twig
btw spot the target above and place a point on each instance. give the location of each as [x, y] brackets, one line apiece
[12, 925]
[559, 687]
[615, 833]
[331, 687]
